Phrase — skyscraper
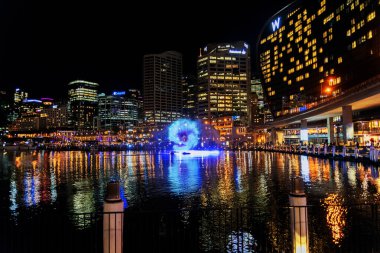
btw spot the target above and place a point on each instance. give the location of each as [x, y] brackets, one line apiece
[223, 80]
[162, 87]
[311, 50]
[117, 111]
[82, 104]
[189, 95]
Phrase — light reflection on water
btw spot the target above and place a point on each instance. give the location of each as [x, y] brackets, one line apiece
[37, 179]
[76, 181]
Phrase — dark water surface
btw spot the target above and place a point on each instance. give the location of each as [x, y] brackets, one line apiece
[75, 182]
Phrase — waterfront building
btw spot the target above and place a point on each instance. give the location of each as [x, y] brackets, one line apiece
[29, 122]
[162, 87]
[231, 132]
[117, 111]
[82, 104]
[311, 51]
[56, 116]
[223, 80]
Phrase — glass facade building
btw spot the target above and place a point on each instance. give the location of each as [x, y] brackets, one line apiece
[83, 102]
[313, 51]
[223, 80]
[117, 111]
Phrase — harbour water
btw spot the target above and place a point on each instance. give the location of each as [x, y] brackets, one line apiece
[75, 182]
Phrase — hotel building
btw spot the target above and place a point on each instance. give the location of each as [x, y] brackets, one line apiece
[312, 51]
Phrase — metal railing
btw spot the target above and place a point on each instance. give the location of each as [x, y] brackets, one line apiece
[324, 228]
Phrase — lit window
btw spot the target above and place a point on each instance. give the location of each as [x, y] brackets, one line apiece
[371, 16]
[340, 60]
[370, 34]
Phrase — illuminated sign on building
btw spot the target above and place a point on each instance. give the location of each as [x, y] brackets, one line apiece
[118, 93]
[234, 51]
[276, 24]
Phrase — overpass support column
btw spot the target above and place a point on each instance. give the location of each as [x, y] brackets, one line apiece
[330, 130]
[348, 126]
[273, 136]
[304, 136]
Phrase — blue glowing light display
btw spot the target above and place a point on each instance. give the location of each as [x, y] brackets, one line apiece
[184, 134]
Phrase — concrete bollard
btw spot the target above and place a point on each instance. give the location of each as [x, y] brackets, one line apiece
[113, 219]
[344, 151]
[333, 151]
[325, 150]
[319, 150]
[298, 217]
[356, 153]
[313, 149]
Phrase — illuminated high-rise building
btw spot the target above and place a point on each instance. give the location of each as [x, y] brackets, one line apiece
[117, 111]
[162, 87]
[136, 94]
[258, 107]
[223, 80]
[189, 96]
[82, 105]
[311, 51]
[19, 96]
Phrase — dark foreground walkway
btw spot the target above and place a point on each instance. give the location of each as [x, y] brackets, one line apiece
[353, 228]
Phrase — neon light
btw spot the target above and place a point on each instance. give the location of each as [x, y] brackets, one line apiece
[31, 101]
[276, 24]
[246, 45]
[234, 51]
[118, 93]
[184, 134]
[49, 99]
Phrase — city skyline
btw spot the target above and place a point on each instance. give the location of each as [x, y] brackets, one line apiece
[104, 45]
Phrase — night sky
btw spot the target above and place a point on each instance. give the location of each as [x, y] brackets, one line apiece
[46, 44]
